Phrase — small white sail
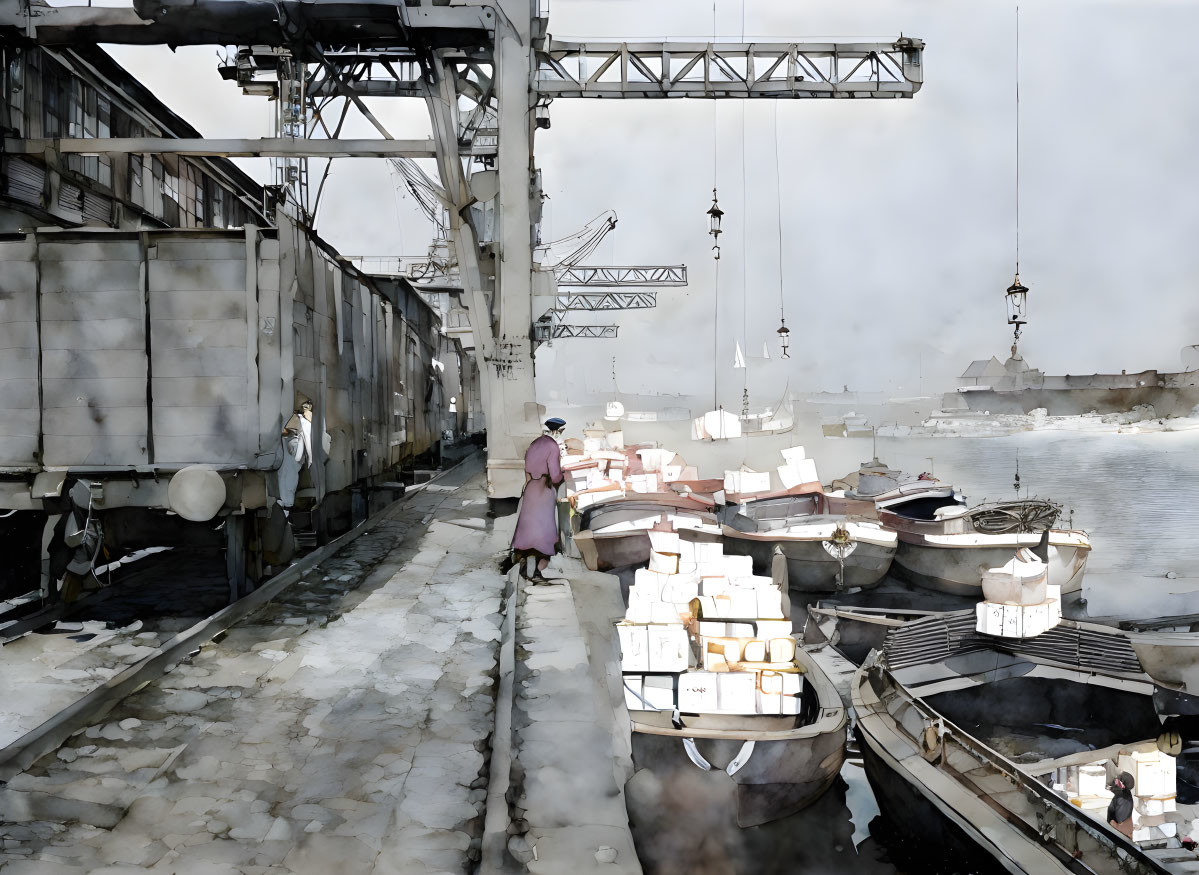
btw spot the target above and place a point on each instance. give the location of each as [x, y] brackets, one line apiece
[765, 349]
[738, 357]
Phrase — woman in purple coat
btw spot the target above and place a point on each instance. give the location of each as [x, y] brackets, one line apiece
[537, 524]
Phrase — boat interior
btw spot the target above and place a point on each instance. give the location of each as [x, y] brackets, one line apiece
[1072, 731]
[928, 505]
[633, 515]
[769, 514]
[1029, 712]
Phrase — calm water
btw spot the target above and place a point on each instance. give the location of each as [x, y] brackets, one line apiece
[1136, 495]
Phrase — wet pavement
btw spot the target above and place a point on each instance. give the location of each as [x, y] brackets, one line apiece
[344, 727]
[571, 756]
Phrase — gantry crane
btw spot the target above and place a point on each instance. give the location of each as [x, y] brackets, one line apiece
[487, 70]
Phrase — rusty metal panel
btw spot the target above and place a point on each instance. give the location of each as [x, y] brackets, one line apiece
[198, 351]
[94, 353]
[19, 408]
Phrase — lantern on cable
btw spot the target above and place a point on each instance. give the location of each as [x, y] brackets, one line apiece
[714, 214]
[1017, 309]
[784, 334]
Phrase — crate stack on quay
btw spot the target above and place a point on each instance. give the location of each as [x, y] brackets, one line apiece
[601, 468]
[704, 634]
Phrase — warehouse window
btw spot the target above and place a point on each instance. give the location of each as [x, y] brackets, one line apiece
[154, 195]
[91, 115]
[214, 202]
[54, 99]
[74, 107]
[191, 207]
[16, 89]
[136, 166]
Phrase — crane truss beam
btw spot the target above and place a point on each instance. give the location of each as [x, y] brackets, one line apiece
[635, 275]
[543, 331]
[668, 69]
[635, 70]
[607, 301]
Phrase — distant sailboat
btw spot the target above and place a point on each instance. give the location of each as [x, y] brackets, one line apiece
[738, 357]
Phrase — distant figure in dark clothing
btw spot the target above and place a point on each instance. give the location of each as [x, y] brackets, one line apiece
[537, 524]
[1119, 810]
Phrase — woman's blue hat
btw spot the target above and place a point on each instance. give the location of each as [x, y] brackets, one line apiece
[555, 423]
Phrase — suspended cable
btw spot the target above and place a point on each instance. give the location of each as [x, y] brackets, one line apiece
[783, 332]
[579, 245]
[715, 346]
[1017, 139]
[744, 252]
[714, 214]
[778, 184]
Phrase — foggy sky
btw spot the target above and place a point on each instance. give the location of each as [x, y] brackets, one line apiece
[898, 217]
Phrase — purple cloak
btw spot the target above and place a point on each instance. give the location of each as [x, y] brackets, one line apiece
[537, 524]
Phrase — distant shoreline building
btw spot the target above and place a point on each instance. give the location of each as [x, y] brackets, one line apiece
[1015, 387]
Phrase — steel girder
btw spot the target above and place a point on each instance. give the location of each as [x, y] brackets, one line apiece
[543, 331]
[714, 70]
[607, 301]
[619, 275]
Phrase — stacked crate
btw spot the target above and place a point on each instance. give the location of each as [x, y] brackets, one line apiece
[599, 470]
[1155, 815]
[703, 634]
[1154, 793]
[1018, 601]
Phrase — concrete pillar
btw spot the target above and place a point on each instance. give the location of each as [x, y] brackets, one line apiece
[513, 416]
[501, 322]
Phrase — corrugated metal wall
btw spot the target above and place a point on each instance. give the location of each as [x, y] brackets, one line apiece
[19, 406]
[204, 407]
[93, 351]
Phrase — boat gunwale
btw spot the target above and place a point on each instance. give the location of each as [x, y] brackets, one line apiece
[908, 534]
[783, 536]
[875, 617]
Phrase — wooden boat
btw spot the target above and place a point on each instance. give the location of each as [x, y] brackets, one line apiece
[969, 741]
[855, 631]
[855, 493]
[1166, 647]
[615, 534]
[776, 420]
[802, 529]
[778, 764]
[944, 545]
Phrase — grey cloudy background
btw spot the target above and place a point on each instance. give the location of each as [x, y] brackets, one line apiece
[897, 216]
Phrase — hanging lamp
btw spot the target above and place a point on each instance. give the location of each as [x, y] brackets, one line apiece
[1017, 309]
[784, 334]
[714, 215]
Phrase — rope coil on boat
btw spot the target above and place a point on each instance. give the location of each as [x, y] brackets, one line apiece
[1033, 515]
